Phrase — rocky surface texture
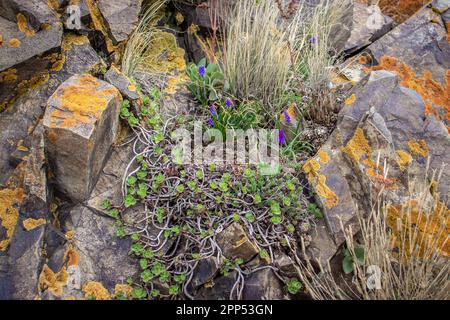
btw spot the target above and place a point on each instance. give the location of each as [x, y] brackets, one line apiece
[63, 151]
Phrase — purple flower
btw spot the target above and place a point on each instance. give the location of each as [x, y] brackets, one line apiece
[201, 70]
[312, 40]
[287, 117]
[228, 103]
[281, 137]
[212, 110]
[211, 122]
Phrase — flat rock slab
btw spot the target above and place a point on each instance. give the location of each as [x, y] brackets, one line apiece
[19, 46]
[235, 243]
[81, 122]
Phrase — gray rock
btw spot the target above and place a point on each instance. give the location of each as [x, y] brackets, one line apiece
[123, 83]
[440, 5]
[25, 254]
[263, 285]
[103, 257]
[81, 123]
[37, 12]
[219, 289]
[420, 43]
[384, 127]
[121, 16]
[28, 105]
[205, 271]
[369, 24]
[109, 184]
[235, 243]
[18, 47]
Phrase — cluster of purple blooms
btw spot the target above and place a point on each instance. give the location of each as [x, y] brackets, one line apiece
[229, 104]
[212, 110]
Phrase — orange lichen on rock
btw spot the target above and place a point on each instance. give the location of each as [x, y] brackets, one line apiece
[123, 291]
[53, 282]
[403, 159]
[30, 224]
[350, 100]
[435, 95]
[71, 39]
[9, 214]
[419, 147]
[401, 10]
[311, 169]
[22, 24]
[9, 75]
[323, 156]
[358, 146]
[71, 256]
[420, 232]
[95, 290]
[132, 88]
[81, 103]
[53, 4]
[15, 43]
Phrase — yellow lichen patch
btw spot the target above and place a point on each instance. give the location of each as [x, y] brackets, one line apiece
[311, 169]
[403, 158]
[123, 291]
[95, 290]
[8, 76]
[30, 224]
[14, 43]
[350, 100]
[428, 229]
[58, 64]
[193, 29]
[358, 146]
[70, 40]
[323, 156]
[173, 83]
[22, 24]
[53, 4]
[132, 88]
[71, 256]
[418, 147]
[324, 191]
[70, 234]
[9, 214]
[435, 95]
[179, 18]
[1, 40]
[46, 26]
[53, 282]
[164, 55]
[81, 102]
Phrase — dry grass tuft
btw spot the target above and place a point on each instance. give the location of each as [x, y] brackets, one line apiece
[406, 254]
[264, 53]
[142, 38]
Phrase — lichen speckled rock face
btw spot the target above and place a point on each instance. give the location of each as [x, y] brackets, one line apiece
[81, 123]
[382, 141]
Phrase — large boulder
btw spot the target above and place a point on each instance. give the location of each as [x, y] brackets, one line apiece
[37, 12]
[382, 140]
[26, 95]
[81, 123]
